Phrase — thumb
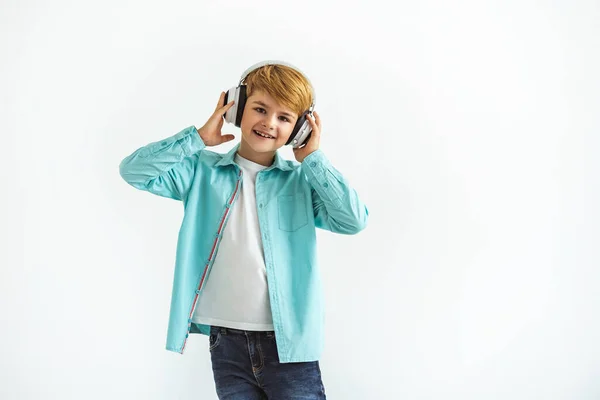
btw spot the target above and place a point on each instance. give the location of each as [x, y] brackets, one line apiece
[227, 138]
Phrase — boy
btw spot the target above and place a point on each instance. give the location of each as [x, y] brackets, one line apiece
[249, 225]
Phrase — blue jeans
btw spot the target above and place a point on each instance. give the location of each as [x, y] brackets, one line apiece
[246, 367]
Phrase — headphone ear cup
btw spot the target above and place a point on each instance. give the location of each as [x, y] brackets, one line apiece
[241, 104]
[301, 133]
[230, 114]
[297, 127]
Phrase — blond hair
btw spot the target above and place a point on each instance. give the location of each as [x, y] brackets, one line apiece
[287, 86]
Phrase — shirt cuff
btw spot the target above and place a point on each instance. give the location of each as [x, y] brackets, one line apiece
[322, 177]
[196, 143]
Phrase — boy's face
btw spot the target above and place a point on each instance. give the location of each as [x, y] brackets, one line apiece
[263, 114]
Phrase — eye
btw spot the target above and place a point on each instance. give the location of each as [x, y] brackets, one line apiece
[260, 110]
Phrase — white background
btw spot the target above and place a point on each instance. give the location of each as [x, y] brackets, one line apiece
[469, 128]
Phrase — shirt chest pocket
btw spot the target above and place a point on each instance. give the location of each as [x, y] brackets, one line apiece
[292, 212]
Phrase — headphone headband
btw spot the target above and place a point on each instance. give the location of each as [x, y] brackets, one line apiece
[278, 62]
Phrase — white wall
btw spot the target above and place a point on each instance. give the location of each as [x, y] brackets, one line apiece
[468, 128]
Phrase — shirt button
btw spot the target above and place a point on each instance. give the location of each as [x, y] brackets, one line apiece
[260, 205]
[313, 164]
[326, 184]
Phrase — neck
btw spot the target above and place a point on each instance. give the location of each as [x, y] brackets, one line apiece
[248, 153]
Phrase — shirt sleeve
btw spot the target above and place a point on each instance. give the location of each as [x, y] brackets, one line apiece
[336, 205]
[166, 167]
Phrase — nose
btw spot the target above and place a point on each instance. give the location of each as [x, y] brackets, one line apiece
[268, 122]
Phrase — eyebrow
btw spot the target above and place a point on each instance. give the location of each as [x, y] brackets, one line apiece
[266, 106]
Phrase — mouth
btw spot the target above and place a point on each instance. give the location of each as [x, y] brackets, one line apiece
[263, 135]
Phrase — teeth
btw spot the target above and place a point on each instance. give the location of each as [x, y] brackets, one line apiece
[263, 135]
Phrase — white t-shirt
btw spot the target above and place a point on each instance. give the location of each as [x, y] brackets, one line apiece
[235, 294]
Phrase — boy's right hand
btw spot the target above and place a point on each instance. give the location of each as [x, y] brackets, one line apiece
[210, 133]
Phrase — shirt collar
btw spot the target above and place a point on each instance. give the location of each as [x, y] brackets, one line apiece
[279, 162]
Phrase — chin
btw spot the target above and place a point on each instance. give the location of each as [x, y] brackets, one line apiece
[263, 149]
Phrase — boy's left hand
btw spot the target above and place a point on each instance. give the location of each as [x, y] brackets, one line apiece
[313, 143]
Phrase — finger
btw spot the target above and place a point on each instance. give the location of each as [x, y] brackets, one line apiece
[316, 134]
[317, 119]
[227, 106]
[220, 101]
[315, 127]
[219, 112]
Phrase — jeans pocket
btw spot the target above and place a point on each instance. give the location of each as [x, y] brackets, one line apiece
[213, 339]
[292, 213]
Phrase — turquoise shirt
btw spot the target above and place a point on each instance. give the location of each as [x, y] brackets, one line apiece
[292, 200]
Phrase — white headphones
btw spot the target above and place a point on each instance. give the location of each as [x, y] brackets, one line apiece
[302, 129]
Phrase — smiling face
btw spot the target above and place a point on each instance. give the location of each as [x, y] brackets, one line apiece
[263, 116]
